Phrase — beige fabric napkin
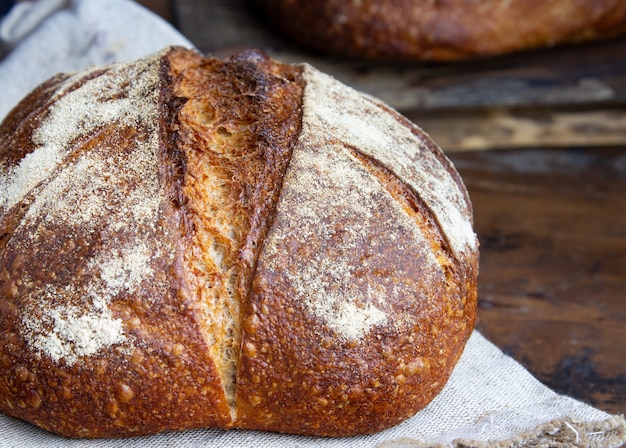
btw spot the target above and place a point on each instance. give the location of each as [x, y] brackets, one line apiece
[51, 36]
[490, 400]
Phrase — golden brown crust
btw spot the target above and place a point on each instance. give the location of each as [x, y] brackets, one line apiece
[96, 340]
[237, 243]
[362, 298]
[443, 29]
[236, 131]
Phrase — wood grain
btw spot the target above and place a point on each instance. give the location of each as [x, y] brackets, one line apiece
[501, 128]
[552, 285]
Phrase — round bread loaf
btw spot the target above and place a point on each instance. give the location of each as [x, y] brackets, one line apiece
[189, 242]
[442, 30]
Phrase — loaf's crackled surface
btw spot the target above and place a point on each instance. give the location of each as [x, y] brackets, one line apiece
[188, 242]
[442, 30]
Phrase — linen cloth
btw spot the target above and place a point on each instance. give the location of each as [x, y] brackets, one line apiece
[490, 399]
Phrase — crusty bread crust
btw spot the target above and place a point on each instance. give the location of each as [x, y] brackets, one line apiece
[189, 242]
[442, 30]
[362, 271]
[235, 130]
[96, 339]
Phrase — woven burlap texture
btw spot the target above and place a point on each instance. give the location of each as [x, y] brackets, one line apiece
[490, 400]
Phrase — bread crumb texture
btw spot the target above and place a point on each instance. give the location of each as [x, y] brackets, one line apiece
[235, 130]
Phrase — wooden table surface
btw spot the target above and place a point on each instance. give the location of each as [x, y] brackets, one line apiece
[540, 141]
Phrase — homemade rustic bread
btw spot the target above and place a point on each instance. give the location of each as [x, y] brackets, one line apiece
[442, 30]
[188, 242]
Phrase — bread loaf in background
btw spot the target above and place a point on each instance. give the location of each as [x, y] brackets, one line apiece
[189, 242]
[442, 30]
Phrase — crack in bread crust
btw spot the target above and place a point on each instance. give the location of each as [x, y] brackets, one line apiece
[235, 129]
[421, 214]
[360, 121]
[356, 308]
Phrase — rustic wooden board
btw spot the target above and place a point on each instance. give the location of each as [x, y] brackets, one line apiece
[462, 130]
[552, 283]
[590, 76]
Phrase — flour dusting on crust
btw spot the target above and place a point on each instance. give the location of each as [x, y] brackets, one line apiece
[361, 257]
[68, 332]
[330, 214]
[77, 113]
[99, 201]
[359, 121]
